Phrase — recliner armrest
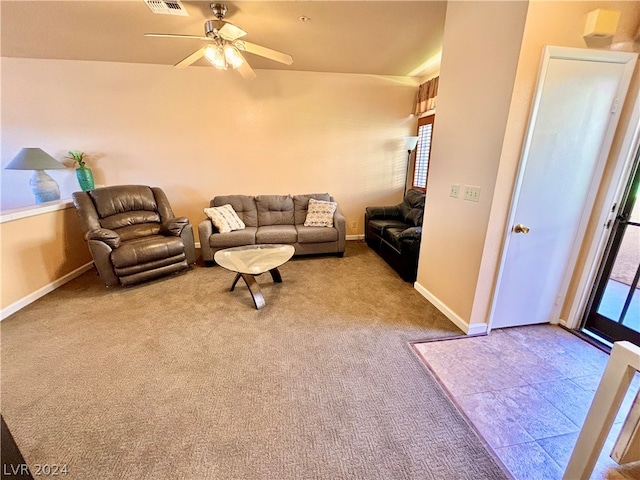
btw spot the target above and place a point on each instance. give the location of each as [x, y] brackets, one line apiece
[174, 226]
[412, 233]
[384, 212]
[105, 235]
[340, 224]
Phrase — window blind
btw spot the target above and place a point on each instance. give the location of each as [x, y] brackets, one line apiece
[423, 151]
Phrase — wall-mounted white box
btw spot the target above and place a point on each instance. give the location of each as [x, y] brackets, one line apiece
[601, 23]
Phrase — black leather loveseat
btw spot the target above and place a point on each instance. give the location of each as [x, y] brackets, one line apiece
[394, 233]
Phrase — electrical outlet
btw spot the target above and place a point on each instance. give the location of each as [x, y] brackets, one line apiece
[353, 224]
[455, 190]
[471, 193]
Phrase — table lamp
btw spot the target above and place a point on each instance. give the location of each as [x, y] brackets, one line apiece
[43, 186]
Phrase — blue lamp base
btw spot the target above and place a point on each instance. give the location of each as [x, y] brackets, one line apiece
[44, 188]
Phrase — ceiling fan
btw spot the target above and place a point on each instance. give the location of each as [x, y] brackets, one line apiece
[224, 48]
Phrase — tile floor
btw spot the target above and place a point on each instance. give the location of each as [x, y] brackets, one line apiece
[527, 391]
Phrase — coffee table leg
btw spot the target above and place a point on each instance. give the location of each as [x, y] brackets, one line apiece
[238, 276]
[275, 274]
[254, 288]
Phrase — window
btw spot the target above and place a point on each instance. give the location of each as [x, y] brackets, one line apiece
[423, 152]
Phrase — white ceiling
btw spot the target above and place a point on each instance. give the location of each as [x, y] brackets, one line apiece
[367, 37]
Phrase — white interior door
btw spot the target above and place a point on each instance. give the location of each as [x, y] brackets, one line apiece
[573, 119]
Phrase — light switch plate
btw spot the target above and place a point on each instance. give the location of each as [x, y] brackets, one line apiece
[471, 193]
[455, 190]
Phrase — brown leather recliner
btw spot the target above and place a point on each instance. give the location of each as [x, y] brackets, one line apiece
[132, 233]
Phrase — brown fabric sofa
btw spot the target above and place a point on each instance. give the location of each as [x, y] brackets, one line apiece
[273, 219]
[132, 233]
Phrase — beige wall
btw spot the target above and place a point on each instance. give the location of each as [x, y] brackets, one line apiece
[548, 23]
[36, 251]
[199, 132]
[480, 54]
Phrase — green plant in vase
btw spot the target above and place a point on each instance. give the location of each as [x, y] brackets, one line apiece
[84, 174]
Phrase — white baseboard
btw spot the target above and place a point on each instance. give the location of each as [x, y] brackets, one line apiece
[32, 297]
[475, 329]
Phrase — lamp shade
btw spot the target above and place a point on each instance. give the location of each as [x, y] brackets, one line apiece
[410, 142]
[34, 159]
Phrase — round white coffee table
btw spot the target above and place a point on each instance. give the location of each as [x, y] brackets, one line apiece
[249, 261]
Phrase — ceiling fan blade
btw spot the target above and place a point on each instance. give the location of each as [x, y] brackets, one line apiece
[245, 69]
[195, 56]
[231, 32]
[174, 35]
[266, 52]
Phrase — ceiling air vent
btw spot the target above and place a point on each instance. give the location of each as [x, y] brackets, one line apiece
[167, 7]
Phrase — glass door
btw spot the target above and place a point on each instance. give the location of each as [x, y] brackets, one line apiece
[614, 309]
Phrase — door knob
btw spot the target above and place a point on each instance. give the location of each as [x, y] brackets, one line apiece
[519, 228]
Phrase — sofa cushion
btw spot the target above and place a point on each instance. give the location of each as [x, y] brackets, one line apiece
[320, 214]
[274, 210]
[383, 212]
[414, 199]
[243, 205]
[301, 204]
[224, 218]
[412, 207]
[126, 219]
[122, 198]
[138, 231]
[233, 239]
[414, 217]
[316, 234]
[378, 227]
[147, 249]
[277, 234]
[394, 237]
[413, 233]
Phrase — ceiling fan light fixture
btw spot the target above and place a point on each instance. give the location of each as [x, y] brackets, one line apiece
[224, 49]
[215, 56]
[232, 55]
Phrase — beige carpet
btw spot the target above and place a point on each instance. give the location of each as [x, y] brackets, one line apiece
[182, 379]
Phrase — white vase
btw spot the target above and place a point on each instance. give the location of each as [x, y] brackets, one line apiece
[44, 187]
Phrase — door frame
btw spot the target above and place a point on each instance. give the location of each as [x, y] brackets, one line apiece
[565, 53]
[611, 204]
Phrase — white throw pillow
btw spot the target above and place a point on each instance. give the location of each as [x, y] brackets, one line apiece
[224, 218]
[320, 213]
